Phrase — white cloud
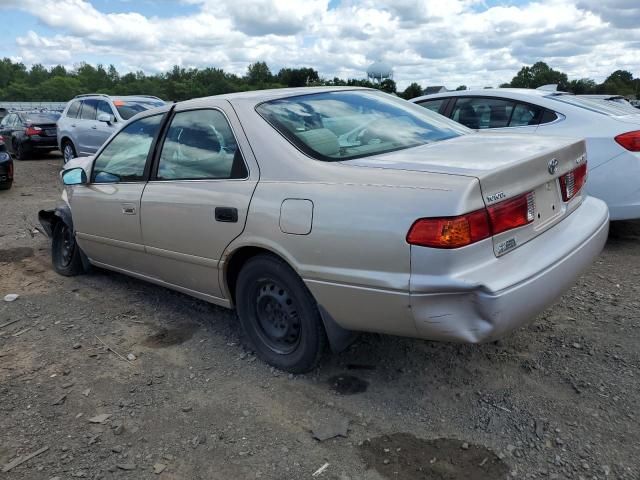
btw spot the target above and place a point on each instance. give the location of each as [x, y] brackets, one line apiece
[428, 41]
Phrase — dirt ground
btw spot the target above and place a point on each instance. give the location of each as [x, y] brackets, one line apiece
[556, 400]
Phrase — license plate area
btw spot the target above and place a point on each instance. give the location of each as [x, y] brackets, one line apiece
[549, 205]
[50, 133]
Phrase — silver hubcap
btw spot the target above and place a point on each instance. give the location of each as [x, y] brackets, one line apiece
[68, 152]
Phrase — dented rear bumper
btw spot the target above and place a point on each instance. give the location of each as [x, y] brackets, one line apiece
[495, 297]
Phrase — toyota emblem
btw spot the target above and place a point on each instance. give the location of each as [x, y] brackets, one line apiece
[553, 165]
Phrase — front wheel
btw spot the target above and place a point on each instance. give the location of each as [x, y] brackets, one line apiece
[19, 151]
[279, 316]
[65, 252]
[68, 152]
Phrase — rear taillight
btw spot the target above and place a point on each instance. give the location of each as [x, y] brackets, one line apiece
[513, 213]
[463, 230]
[10, 172]
[572, 182]
[31, 130]
[630, 140]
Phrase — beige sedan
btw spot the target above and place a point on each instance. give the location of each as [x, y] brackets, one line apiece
[321, 212]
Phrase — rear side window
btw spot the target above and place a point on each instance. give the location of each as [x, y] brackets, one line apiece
[88, 111]
[480, 113]
[125, 157]
[200, 145]
[74, 108]
[525, 114]
[434, 105]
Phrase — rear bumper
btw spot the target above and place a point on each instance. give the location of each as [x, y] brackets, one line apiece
[508, 292]
[40, 143]
[616, 183]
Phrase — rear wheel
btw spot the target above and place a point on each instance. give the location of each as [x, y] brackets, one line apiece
[5, 186]
[68, 152]
[279, 316]
[18, 151]
[65, 252]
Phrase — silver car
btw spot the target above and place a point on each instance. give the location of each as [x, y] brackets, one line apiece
[320, 212]
[89, 120]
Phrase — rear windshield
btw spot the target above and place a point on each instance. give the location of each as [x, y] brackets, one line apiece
[343, 125]
[46, 117]
[605, 107]
[129, 108]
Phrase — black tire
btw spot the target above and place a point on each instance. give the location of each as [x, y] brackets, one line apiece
[19, 151]
[279, 316]
[65, 252]
[6, 185]
[68, 151]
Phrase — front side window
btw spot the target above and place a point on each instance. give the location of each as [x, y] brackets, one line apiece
[344, 125]
[89, 110]
[200, 145]
[103, 107]
[74, 108]
[125, 157]
[482, 112]
[433, 105]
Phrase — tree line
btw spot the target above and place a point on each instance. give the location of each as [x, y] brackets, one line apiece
[58, 84]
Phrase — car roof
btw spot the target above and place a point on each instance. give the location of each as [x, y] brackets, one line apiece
[493, 92]
[260, 96]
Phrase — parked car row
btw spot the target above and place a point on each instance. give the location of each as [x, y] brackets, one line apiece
[611, 130]
[320, 212]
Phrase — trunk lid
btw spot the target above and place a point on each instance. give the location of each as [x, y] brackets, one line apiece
[506, 166]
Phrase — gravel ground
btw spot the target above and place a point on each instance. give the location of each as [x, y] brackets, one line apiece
[555, 400]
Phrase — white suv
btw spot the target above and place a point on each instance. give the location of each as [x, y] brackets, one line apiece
[89, 120]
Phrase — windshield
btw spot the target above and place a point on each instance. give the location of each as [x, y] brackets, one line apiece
[343, 125]
[129, 108]
[605, 107]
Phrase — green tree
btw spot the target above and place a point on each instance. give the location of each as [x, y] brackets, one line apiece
[461, 87]
[259, 74]
[412, 91]
[539, 74]
[297, 77]
[582, 86]
[388, 85]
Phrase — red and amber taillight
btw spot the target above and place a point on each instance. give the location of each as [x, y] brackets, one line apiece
[571, 183]
[463, 230]
[31, 130]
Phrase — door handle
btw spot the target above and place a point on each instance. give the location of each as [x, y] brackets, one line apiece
[128, 209]
[226, 214]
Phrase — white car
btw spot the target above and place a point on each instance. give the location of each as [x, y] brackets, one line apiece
[612, 132]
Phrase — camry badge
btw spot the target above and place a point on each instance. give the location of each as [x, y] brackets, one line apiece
[553, 165]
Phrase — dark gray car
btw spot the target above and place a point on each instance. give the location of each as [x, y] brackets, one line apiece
[89, 120]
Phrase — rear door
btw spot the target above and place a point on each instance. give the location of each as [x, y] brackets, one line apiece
[85, 126]
[197, 199]
[106, 212]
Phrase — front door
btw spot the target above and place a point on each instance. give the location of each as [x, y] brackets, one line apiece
[106, 212]
[197, 199]
[101, 131]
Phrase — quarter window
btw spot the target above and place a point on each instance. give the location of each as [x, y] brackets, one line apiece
[548, 116]
[74, 108]
[89, 110]
[125, 157]
[200, 145]
[525, 114]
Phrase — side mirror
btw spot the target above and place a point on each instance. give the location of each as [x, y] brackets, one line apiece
[74, 176]
[105, 117]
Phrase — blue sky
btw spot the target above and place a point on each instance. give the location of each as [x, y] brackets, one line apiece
[471, 42]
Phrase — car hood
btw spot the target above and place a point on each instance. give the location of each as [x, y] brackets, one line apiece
[472, 155]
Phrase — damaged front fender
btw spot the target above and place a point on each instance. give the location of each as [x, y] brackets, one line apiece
[49, 218]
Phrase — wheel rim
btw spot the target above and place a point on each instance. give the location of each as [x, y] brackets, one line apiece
[67, 246]
[68, 152]
[278, 322]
